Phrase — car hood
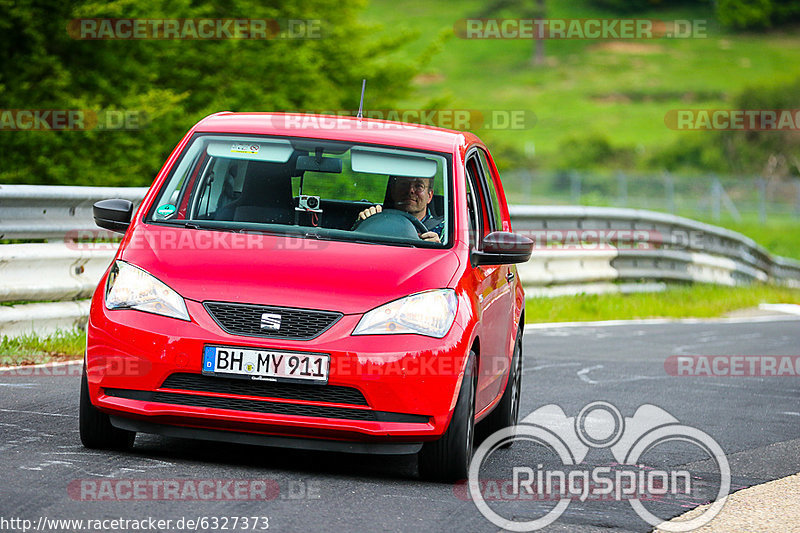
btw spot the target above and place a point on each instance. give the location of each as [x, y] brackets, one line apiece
[350, 278]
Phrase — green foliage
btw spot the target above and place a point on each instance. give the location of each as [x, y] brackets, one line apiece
[591, 150]
[756, 14]
[174, 83]
[740, 152]
[627, 6]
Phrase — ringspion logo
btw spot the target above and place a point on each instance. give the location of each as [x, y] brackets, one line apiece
[599, 425]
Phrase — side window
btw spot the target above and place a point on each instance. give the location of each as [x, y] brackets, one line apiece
[473, 168]
[496, 216]
[475, 205]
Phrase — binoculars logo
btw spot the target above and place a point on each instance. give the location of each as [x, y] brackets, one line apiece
[599, 425]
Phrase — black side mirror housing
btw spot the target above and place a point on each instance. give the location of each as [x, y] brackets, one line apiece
[114, 214]
[503, 248]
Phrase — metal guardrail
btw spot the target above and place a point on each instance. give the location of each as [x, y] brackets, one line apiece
[657, 247]
[54, 211]
[668, 247]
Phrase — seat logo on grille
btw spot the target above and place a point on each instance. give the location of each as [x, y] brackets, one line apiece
[271, 321]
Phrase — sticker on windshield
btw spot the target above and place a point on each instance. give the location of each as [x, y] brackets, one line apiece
[166, 210]
[245, 148]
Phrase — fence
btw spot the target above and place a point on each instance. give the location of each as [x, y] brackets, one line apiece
[577, 249]
[706, 197]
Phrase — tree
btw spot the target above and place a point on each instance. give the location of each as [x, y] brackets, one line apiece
[174, 83]
[523, 9]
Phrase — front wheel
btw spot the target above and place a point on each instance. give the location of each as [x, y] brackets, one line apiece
[448, 458]
[95, 426]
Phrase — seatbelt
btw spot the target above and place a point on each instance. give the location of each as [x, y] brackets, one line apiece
[433, 222]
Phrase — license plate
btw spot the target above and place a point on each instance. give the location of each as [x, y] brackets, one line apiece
[265, 364]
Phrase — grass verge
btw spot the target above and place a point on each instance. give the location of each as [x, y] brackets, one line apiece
[684, 301]
[33, 349]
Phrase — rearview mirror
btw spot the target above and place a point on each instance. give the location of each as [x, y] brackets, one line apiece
[322, 164]
[503, 248]
[114, 214]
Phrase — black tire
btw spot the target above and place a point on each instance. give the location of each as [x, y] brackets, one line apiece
[448, 458]
[506, 413]
[95, 427]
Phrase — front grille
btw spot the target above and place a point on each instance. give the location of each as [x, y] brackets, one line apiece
[295, 324]
[257, 406]
[266, 389]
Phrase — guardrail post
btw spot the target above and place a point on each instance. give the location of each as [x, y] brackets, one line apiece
[528, 178]
[797, 201]
[669, 188]
[716, 199]
[575, 187]
[622, 189]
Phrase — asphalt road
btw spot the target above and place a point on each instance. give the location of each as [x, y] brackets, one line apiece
[45, 472]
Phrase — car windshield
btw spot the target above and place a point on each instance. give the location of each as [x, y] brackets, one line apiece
[310, 187]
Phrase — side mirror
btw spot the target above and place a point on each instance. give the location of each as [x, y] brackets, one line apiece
[114, 214]
[503, 248]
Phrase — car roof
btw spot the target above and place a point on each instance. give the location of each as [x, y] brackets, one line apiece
[342, 128]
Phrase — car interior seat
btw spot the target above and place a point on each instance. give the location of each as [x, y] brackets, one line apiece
[266, 194]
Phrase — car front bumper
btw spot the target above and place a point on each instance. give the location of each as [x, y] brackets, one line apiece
[408, 383]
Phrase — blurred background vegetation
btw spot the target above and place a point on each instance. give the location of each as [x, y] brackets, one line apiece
[599, 137]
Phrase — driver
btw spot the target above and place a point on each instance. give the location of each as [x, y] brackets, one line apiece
[412, 195]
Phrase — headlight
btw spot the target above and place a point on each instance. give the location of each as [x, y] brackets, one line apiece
[428, 313]
[129, 287]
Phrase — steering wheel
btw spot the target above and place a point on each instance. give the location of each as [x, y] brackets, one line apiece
[392, 222]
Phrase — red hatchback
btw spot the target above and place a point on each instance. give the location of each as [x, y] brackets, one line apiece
[315, 282]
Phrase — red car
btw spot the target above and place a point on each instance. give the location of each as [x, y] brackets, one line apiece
[317, 282]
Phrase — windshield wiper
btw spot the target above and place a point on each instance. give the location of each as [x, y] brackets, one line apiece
[195, 225]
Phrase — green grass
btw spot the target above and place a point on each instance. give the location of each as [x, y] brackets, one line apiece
[33, 349]
[620, 89]
[695, 301]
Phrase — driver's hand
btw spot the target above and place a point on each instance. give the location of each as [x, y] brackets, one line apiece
[368, 212]
[430, 236]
